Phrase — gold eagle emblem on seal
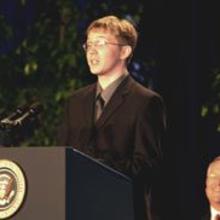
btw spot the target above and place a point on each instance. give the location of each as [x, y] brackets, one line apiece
[12, 188]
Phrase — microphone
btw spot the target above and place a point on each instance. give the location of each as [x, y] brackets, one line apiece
[20, 124]
[21, 115]
[29, 115]
[10, 119]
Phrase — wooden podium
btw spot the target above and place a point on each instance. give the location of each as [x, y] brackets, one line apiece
[65, 184]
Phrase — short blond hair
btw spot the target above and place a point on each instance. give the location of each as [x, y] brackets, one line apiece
[122, 29]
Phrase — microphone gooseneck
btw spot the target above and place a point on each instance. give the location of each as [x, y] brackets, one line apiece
[21, 115]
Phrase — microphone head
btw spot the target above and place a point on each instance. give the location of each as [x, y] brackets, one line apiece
[21, 123]
[21, 115]
[36, 108]
[20, 110]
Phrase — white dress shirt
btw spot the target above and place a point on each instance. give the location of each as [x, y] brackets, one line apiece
[214, 212]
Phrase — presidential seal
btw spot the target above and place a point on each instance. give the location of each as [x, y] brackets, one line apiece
[12, 188]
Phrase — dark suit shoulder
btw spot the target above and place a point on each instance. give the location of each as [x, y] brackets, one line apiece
[81, 92]
[148, 101]
[143, 91]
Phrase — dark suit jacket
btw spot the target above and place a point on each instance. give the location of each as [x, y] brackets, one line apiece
[126, 137]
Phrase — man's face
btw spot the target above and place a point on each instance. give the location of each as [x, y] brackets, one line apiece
[213, 184]
[103, 53]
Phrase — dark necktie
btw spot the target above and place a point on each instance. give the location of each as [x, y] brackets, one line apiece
[100, 103]
[217, 217]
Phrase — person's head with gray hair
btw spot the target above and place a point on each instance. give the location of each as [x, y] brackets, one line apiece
[212, 188]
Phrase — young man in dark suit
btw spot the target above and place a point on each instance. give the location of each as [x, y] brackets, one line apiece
[213, 190]
[117, 120]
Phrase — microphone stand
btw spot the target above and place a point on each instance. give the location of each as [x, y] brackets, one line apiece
[12, 132]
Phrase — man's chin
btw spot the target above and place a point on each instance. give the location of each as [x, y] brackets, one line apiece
[96, 72]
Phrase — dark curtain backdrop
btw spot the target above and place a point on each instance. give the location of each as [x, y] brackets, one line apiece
[184, 38]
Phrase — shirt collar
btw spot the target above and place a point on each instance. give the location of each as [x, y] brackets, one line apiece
[110, 89]
[214, 212]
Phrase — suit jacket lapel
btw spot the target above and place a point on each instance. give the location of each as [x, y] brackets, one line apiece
[89, 111]
[114, 103]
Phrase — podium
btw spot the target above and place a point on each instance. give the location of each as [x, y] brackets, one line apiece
[65, 184]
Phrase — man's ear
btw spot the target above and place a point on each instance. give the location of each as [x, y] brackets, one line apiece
[125, 52]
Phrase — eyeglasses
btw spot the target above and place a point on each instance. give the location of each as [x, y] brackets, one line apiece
[99, 44]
